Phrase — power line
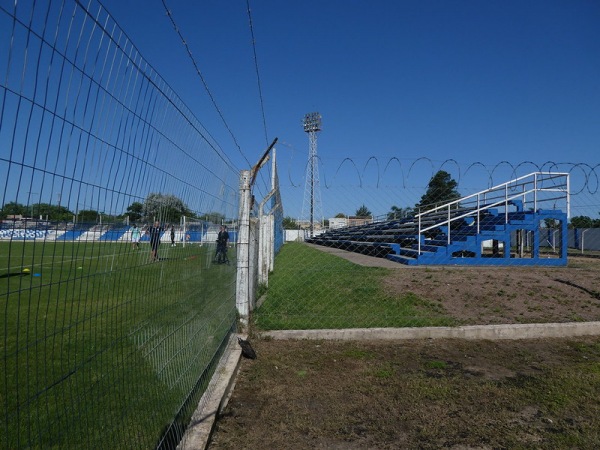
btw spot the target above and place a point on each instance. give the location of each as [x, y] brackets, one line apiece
[189, 52]
[262, 105]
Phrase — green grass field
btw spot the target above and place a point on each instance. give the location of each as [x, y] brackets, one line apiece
[310, 289]
[101, 347]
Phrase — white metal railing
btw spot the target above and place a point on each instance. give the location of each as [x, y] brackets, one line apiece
[535, 186]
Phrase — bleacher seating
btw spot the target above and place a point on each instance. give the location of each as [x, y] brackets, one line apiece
[195, 232]
[400, 241]
[22, 233]
[25, 230]
[74, 231]
[114, 232]
[456, 233]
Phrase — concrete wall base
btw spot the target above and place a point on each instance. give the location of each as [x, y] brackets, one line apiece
[508, 331]
[214, 400]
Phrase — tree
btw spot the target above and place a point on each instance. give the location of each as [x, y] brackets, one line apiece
[135, 211]
[363, 212]
[441, 189]
[88, 216]
[13, 209]
[213, 217]
[399, 213]
[290, 224]
[340, 216]
[164, 208]
[45, 210]
[52, 212]
[584, 222]
[551, 223]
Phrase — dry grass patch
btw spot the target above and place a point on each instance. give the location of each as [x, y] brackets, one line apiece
[416, 394]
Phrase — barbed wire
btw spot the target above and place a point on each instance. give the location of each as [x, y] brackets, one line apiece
[588, 179]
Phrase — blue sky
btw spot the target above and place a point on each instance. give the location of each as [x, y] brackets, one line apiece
[474, 81]
[403, 87]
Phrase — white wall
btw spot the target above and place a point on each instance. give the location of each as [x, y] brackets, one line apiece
[294, 235]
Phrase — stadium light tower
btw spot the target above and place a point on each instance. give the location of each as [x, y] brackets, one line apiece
[312, 191]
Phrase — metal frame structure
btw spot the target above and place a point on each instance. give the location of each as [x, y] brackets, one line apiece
[502, 225]
[527, 190]
[312, 190]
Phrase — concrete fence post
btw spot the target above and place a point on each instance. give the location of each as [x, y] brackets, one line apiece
[243, 249]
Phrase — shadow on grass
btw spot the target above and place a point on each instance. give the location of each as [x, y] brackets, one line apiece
[15, 274]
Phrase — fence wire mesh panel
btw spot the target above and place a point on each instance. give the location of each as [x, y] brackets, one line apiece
[113, 310]
[384, 252]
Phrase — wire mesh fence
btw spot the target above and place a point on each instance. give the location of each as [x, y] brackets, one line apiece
[113, 310]
[378, 261]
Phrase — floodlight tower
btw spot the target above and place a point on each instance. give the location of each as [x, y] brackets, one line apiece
[312, 190]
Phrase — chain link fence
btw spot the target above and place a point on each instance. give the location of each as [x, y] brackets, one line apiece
[357, 281]
[114, 312]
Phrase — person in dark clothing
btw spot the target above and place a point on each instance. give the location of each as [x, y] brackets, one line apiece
[172, 235]
[222, 239]
[154, 232]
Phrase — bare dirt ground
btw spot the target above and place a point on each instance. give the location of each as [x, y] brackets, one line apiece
[431, 394]
[493, 295]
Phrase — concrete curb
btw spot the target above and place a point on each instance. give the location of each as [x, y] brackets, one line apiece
[214, 400]
[491, 332]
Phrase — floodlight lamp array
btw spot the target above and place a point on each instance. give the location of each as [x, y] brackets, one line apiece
[312, 122]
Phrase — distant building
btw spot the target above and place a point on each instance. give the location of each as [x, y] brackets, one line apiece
[354, 221]
[305, 225]
[338, 222]
[350, 221]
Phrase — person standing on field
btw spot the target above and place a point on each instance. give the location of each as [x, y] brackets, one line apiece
[154, 232]
[222, 239]
[135, 237]
[172, 235]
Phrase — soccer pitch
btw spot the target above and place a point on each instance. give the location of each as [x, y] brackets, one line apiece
[101, 347]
